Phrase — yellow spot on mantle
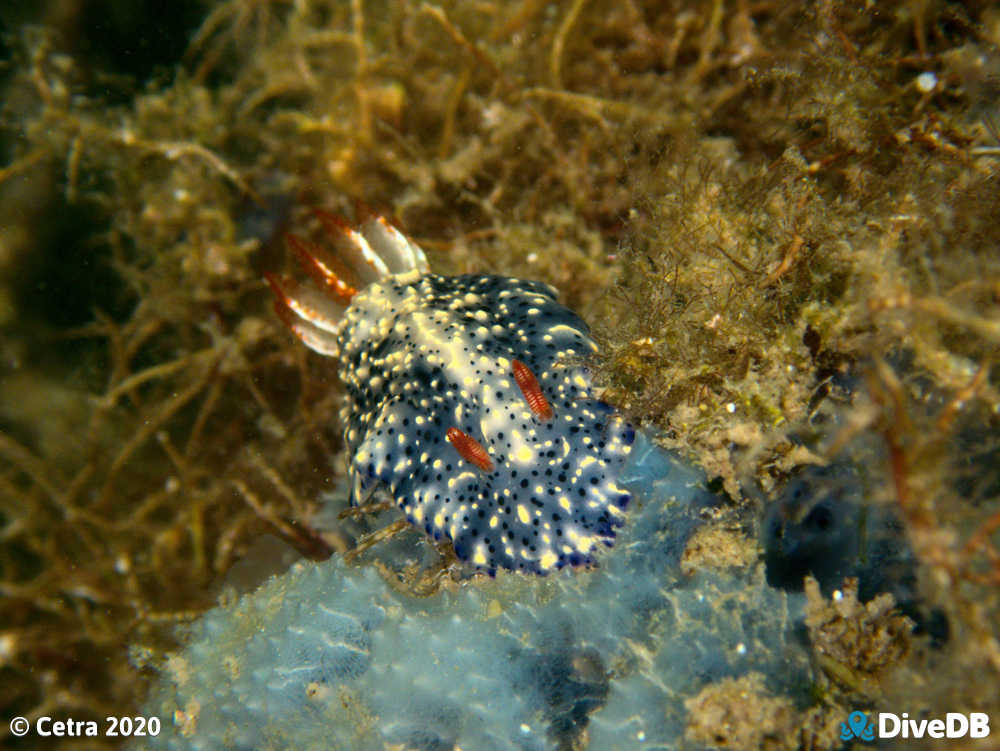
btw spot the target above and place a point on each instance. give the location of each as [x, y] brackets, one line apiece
[522, 514]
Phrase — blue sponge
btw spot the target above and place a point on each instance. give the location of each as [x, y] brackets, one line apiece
[328, 656]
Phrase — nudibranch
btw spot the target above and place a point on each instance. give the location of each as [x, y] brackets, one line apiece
[468, 401]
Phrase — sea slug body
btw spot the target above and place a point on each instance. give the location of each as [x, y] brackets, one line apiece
[466, 400]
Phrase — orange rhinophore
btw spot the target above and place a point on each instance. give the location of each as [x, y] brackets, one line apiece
[532, 391]
[313, 318]
[470, 449]
[314, 308]
[281, 300]
[328, 273]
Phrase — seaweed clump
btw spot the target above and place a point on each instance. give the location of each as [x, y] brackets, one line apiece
[791, 206]
[855, 643]
[740, 713]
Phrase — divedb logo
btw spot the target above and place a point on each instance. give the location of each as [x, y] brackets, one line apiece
[891, 725]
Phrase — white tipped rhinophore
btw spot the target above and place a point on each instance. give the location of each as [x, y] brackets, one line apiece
[393, 247]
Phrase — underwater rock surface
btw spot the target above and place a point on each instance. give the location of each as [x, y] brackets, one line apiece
[332, 656]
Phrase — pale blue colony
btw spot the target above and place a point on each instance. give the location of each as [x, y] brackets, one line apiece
[330, 657]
